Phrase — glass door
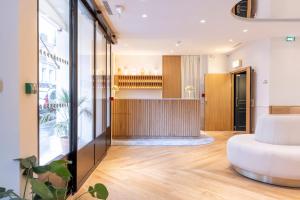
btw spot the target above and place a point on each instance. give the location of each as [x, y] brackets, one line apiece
[74, 86]
[54, 80]
[101, 96]
[108, 85]
[85, 115]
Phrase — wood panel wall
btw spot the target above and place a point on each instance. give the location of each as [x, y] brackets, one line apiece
[171, 77]
[284, 109]
[155, 118]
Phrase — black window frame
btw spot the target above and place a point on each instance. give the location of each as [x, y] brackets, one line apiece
[73, 76]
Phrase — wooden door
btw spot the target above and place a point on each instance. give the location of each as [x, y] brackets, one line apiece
[218, 102]
[171, 76]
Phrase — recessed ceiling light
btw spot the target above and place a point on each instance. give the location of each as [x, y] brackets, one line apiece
[178, 43]
[203, 21]
[144, 15]
[230, 40]
[223, 49]
[245, 30]
[120, 9]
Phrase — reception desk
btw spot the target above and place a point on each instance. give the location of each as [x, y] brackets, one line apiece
[140, 118]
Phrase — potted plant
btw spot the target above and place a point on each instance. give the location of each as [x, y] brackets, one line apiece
[46, 190]
[61, 115]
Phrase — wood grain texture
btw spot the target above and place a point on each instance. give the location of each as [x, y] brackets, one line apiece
[284, 109]
[179, 173]
[155, 118]
[218, 102]
[171, 76]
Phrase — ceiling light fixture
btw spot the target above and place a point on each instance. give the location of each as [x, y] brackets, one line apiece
[178, 43]
[245, 30]
[120, 9]
[144, 15]
[230, 40]
[203, 21]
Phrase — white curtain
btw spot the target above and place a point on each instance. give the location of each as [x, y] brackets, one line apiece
[190, 76]
[193, 70]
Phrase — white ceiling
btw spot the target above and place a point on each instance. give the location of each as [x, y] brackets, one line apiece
[170, 21]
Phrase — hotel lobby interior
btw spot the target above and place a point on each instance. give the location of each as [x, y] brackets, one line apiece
[150, 99]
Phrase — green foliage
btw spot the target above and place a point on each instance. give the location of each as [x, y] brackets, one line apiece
[41, 189]
[45, 190]
[62, 127]
[99, 191]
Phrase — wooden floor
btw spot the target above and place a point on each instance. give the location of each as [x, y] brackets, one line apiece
[172, 173]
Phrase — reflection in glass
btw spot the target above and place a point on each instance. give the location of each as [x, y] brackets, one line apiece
[268, 9]
[108, 83]
[54, 108]
[100, 82]
[85, 76]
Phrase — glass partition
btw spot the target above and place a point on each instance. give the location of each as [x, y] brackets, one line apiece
[109, 94]
[54, 98]
[108, 77]
[100, 82]
[74, 77]
[85, 77]
[101, 96]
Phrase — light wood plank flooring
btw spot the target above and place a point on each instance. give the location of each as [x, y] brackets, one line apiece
[173, 173]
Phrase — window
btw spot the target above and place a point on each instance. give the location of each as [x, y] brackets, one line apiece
[54, 108]
[100, 82]
[85, 77]
[108, 123]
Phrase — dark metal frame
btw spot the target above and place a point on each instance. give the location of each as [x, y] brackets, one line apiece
[73, 91]
[73, 70]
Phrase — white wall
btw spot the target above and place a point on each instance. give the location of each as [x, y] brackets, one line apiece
[9, 97]
[217, 64]
[285, 72]
[134, 64]
[263, 9]
[18, 118]
[257, 55]
[287, 10]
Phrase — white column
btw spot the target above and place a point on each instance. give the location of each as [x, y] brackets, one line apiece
[18, 111]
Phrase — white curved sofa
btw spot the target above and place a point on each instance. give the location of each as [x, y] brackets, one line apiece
[272, 154]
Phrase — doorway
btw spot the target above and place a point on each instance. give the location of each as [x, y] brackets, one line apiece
[242, 99]
[229, 101]
[240, 102]
[74, 86]
[218, 110]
